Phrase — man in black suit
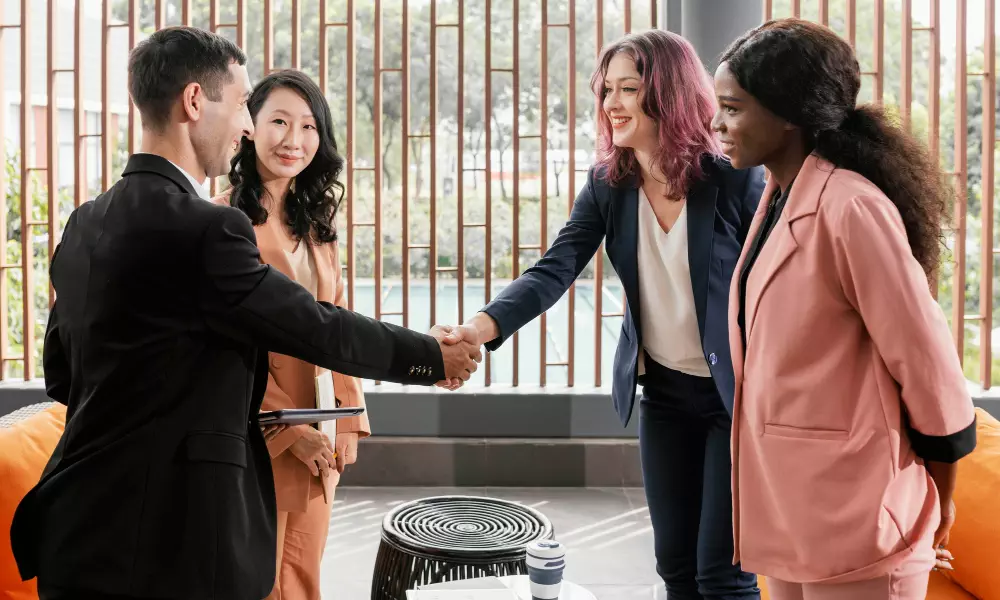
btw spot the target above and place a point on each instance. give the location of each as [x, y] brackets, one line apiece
[161, 484]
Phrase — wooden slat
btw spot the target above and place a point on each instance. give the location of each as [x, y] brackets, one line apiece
[27, 248]
[986, 243]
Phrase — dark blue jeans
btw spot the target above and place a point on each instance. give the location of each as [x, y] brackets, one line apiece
[686, 467]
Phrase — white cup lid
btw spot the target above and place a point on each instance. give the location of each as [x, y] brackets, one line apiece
[546, 549]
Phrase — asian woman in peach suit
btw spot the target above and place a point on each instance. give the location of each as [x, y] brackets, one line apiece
[285, 179]
[851, 408]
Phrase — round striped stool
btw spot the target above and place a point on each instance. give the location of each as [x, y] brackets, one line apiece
[447, 538]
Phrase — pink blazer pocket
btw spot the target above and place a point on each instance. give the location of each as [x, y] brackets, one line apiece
[802, 433]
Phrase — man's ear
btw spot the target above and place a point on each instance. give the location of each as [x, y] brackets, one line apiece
[193, 101]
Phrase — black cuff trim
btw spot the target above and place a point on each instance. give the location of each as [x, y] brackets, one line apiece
[944, 448]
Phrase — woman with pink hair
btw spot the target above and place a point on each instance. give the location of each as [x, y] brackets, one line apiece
[674, 214]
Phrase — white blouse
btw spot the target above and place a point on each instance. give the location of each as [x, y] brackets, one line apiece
[669, 321]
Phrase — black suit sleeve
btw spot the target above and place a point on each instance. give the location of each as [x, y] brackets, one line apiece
[539, 287]
[55, 362]
[253, 303]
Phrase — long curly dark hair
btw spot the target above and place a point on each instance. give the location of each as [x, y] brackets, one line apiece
[807, 75]
[311, 205]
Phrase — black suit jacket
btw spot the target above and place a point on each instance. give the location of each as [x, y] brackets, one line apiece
[161, 484]
[720, 208]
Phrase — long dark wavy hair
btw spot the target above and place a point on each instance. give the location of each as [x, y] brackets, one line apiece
[312, 203]
[810, 77]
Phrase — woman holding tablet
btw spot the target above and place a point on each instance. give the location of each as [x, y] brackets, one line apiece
[284, 178]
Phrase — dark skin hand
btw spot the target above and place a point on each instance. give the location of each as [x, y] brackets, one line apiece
[944, 475]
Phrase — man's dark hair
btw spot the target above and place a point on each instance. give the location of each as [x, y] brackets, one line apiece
[162, 65]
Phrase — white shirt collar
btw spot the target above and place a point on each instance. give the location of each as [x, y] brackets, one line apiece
[200, 188]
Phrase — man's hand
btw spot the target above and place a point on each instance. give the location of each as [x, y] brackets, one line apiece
[477, 331]
[453, 335]
[347, 450]
[461, 359]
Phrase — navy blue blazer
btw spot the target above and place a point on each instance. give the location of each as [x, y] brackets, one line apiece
[720, 207]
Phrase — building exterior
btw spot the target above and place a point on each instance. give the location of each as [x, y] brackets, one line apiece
[90, 81]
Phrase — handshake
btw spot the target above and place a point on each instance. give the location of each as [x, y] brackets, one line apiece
[460, 348]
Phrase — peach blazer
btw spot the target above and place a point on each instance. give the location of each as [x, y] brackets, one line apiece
[291, 382]
[844, 342]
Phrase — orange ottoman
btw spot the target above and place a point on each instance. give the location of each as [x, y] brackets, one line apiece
[975, 538]
[25, 448]
[939, 587]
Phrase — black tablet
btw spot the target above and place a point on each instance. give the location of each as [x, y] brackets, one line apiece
[304, 416]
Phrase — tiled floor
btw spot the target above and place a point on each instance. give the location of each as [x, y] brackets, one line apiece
[606, 530]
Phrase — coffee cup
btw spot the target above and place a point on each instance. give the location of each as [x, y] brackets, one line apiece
[546, 561]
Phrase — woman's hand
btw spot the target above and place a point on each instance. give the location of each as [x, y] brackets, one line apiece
[271, 431]
[347, 450]
[477, 331]
[315, 450]
[942, 555]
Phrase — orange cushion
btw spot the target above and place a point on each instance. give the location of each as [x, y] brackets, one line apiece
[975, 538]
[25, 448]
[939, 587]
[762, 584]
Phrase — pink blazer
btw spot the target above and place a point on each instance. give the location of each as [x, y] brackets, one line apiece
[291, 382]
[843, 340]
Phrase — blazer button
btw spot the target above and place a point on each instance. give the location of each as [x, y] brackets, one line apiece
[712, 358]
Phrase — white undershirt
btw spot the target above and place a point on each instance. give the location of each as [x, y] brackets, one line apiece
[200, 188]
[668, 319]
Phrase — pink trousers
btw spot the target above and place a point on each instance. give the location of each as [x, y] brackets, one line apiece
[906, 583]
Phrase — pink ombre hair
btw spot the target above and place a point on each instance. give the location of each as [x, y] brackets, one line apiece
[677, 93]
